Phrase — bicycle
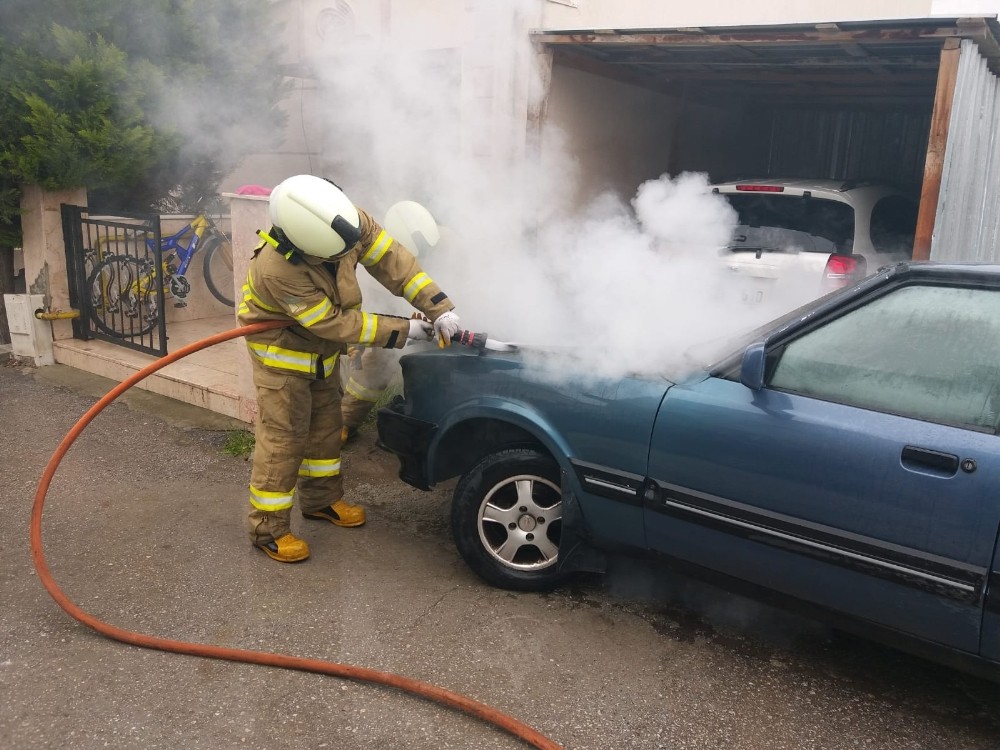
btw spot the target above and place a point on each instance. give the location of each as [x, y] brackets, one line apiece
[123, 288]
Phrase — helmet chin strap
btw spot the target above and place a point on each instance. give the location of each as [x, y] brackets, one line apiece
[279, 242]
[349, 234]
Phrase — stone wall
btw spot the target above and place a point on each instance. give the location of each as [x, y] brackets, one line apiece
[248, 213]
[44, 249]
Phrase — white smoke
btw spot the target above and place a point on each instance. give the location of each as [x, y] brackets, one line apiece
[618, 287]
[621, 285]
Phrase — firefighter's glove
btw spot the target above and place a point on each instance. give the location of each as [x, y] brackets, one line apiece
[446, 326]
[420, 330]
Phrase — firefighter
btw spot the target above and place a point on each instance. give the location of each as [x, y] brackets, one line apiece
[305, 271]
[371, 370]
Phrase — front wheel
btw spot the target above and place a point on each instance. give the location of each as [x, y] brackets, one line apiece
[506, 518]
[219, 269]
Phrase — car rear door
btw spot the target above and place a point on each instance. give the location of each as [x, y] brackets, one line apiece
[991, 618]
[862, 477]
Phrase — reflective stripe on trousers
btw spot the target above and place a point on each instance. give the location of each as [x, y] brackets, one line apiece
[297, 430]
[361, 393]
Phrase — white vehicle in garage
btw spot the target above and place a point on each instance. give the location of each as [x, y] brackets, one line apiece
[800, 238]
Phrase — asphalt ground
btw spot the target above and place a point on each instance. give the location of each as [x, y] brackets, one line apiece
[144, 528]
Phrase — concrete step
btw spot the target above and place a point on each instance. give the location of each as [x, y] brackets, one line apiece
[207, 379]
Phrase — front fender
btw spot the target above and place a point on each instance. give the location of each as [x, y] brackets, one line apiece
[472, 430]
[577, 553]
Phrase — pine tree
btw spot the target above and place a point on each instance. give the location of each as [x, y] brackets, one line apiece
[146, 103]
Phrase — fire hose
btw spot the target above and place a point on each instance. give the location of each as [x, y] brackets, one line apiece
[363, 674]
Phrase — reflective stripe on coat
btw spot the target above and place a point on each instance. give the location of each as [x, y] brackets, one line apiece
[324, 299]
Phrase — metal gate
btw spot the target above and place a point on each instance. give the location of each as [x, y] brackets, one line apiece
[115, 272]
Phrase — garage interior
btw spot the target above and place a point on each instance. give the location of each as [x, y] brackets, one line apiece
[848, 101]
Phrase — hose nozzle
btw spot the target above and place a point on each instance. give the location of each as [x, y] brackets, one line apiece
[481, 342]
[470, 339]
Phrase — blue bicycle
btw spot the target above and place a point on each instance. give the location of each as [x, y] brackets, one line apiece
[123, 287]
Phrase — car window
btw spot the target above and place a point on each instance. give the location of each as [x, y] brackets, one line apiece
[774, 221]
[893, 224]
[928, 352]
[723, 356]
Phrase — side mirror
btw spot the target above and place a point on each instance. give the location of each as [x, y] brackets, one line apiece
[752, 367]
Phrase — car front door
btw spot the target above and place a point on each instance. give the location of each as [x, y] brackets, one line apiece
[864, 476]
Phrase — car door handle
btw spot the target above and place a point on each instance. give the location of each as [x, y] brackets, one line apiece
[924, 458]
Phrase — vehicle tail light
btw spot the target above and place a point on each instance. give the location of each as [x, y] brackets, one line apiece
[844, 270]
[760, 188]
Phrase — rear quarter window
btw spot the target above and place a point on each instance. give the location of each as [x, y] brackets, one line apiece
[893, 225]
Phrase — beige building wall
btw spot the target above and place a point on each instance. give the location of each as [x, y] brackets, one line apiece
[248, 214]
[647, 14]
[484, 43]
[490, 110]
[623, 133]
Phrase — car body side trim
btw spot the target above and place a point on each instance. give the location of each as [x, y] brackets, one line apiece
[891, 637]
[615, 485]
[950, 578]
[610, 485]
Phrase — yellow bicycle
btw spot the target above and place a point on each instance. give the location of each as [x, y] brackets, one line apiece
[123, 288]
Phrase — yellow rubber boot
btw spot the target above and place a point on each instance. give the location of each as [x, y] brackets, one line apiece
[341, 513]
[287, 549]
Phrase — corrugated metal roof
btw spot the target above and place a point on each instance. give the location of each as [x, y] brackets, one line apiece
[879, 65]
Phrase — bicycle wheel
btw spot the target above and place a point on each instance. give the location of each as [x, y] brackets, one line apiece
[219, 269]
[122, 300]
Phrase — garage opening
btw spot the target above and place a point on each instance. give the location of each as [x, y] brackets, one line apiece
[852, 102]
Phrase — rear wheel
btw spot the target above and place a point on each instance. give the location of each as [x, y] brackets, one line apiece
[219, 268]
[122, 297]
[506, 519]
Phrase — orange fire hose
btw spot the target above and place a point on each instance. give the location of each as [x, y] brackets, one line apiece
[363, 674]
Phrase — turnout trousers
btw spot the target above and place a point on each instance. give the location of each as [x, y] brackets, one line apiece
[297, 452]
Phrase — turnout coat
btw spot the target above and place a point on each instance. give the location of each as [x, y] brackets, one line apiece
[324, 299]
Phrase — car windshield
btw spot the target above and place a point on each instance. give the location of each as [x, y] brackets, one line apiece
[722, 352]
[776, 222]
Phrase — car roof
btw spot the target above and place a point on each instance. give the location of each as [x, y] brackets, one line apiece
[796, 182]
[945, 270]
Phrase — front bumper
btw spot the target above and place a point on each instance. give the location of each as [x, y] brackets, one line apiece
[408, 439]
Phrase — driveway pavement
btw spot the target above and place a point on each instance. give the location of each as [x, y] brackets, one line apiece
[143, 527]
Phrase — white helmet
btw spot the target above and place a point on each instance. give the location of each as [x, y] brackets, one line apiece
[412, 224]
[315, 215]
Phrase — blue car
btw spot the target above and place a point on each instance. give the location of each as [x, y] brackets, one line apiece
[844, 459]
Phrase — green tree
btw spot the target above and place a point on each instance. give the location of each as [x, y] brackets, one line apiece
[146, 103]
